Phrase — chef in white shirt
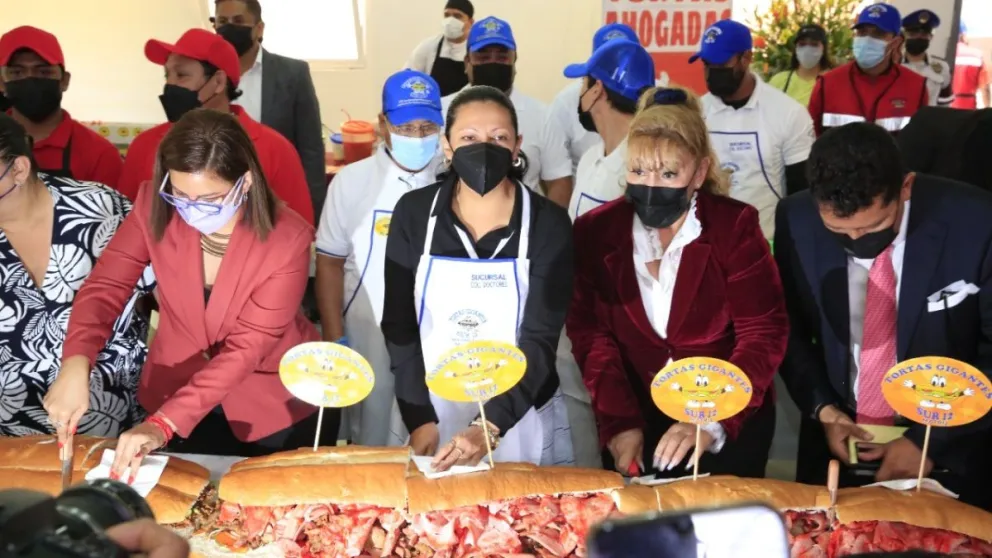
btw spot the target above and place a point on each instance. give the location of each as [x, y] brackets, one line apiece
[443, 56]
[491, 60]
[351, 240]
[612, 82]
[562, 113]
[761, 136]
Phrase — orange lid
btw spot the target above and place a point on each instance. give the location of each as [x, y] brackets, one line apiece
[356, 126]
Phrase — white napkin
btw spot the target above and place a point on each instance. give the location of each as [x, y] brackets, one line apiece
[910, 484]
[146, 479]
[651, 481]
[423, 463]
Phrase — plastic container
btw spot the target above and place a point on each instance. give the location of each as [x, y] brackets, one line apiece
[337, 147]
[357, 140]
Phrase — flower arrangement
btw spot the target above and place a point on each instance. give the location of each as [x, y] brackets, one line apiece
[774, 29]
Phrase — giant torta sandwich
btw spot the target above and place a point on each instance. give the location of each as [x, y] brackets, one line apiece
[182, 499]
[374, 502]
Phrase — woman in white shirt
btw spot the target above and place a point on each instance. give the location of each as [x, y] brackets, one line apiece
[675, 269]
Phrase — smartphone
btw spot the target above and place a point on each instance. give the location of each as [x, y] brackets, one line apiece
[739, 531]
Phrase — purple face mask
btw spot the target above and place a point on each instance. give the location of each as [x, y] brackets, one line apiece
[206, 217]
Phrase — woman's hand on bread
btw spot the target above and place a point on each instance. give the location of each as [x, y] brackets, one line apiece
[132, 447]
[69, 397]
[467, 448]
[677, 444]
[627, 448]
[425, 439]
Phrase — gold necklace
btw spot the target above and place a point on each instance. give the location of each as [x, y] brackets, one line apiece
[215, 244]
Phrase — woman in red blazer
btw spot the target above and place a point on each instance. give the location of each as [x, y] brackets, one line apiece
[232, 265]
[675, 269]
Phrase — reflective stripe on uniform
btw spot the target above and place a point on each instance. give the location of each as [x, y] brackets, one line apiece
[832, 119]
[893, 124]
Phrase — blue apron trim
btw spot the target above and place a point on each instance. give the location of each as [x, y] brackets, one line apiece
[578, 202]
[368, 256]
[761, 160]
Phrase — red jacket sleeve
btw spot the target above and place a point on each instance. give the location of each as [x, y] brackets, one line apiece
[815, 107]
[289, 181]
[757, 310]
[260, 325]
[102, 297]
[596, 352]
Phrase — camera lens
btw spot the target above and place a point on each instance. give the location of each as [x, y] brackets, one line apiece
[99, 505]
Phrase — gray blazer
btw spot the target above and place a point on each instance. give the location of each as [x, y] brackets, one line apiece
[290, 106]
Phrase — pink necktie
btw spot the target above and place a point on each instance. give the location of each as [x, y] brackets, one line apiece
[878, 342]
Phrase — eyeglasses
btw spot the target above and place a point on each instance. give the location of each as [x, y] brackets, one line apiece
[412, 131]
[207, 207]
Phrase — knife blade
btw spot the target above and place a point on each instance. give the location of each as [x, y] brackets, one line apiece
[66, 454]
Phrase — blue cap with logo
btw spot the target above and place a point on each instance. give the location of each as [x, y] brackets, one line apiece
[722, 41]
[921, 19]
[410, 95]
[622, 65]
[884, 16]
[488, 32]
[612, 31]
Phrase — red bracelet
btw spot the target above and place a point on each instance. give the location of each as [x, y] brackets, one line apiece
[163, 426]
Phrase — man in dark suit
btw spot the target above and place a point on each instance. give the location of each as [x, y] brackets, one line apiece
[950, 143]
[276, 91]
[860, 253]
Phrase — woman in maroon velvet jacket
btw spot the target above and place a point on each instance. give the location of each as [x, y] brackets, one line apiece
[674, 270]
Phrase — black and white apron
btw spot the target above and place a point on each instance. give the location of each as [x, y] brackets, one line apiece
[449, 74]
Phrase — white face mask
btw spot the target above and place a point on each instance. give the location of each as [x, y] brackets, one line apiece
[452, 28]
[809, 56]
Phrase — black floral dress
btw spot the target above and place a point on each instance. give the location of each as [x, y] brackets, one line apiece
[34, 318]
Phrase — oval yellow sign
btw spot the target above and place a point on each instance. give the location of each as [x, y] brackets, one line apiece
[326, 374]
[477, 371]
[701, 390]
[937, 391]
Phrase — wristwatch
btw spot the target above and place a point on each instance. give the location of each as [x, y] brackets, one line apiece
[489, 429]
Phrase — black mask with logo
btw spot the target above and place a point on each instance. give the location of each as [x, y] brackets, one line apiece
[238, 35]
[585, 116]
[35, 98]
[493, 74]
[177, 101]
[724, 82]
[658, 207]
[482, 166]
[917, 46]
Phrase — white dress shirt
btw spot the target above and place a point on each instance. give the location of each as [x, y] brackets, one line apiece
[423, 57]
[656, 294]
[251, 90]
[600, 178]
[563, 114]
[857, 289]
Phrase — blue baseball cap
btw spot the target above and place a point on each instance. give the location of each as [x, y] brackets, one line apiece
[722, 41]
[410, 95]
[884, 16]
[613, 31]
[622, 65]
[921, 19]
[488, 32]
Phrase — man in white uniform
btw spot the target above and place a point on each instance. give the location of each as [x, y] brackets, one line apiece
[562, 114]
[491, 60]
[761, 136]
[351, 239]
[612, 82]
[443, 56]
[918, 28]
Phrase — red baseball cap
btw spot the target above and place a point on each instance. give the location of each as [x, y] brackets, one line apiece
[43, 43]
[198, 44]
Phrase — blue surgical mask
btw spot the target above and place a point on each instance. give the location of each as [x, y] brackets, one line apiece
[413, 153]
[206, 217]
[869, 51]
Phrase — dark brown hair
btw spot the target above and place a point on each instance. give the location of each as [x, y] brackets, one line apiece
[208, 141]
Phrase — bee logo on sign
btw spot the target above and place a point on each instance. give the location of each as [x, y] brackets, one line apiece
[418, 87]
[382, 226]
[477, 371]
[937, 391]
[701, 390]
[711, 34]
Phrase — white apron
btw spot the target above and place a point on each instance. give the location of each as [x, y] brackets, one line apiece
[739, 154]
[466, 299]
[364, 292]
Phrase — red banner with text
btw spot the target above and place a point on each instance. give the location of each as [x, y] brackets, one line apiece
[671, 31]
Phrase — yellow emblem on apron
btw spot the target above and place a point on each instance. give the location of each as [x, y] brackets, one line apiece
[382, 225]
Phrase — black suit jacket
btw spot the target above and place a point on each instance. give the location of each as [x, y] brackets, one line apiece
[949, 238]
[290, 106]
[950, 143]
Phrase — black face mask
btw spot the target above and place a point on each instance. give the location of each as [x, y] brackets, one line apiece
[177, 101]
[723, 82]
[493, 74]
[4, 103]
[585, 116]
[867, 246]
[482, 166]
[917, 47]
[238, 35]
[35, 98]
[657, 206]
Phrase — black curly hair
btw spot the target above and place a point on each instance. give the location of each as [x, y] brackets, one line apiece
[850, 166]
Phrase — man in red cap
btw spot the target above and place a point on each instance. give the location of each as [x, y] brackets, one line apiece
[202, 70]
[33, 78]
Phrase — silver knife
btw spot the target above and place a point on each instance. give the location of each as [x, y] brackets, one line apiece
[66, 453]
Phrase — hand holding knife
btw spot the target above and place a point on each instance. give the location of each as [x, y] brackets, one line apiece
[65, 454]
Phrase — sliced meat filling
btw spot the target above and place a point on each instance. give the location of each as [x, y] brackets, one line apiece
[886, 536]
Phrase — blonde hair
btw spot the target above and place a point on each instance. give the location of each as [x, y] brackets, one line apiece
[659, 131]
